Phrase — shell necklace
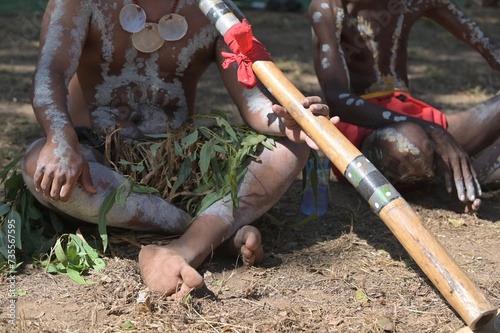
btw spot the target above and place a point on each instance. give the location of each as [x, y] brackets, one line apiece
[148, 37]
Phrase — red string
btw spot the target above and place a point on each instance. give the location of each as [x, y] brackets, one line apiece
[174, 7]
[246, 49]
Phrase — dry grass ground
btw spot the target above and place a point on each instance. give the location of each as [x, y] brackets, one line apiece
[344, 272]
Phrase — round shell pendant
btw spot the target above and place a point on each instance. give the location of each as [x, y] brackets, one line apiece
[172, 27]
[148, 39]
[132, 18]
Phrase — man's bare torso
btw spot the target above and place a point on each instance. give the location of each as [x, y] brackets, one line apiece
[141, 92]
[374, 36]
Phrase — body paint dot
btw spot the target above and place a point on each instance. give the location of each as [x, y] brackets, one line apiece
[325, 63]
[316, 17]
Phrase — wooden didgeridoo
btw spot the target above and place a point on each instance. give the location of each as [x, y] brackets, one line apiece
[448, 277]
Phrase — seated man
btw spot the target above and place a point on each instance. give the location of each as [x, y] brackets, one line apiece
[360, 55]
[106, 67]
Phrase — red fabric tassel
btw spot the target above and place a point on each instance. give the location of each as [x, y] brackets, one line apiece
[246, 49]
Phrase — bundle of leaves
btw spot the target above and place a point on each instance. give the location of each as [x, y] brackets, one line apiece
[73, 256]
[192, 167]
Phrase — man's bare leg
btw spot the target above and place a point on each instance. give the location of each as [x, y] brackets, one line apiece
[477, 128]
[171, 270]
[487, 165]
[139, 211]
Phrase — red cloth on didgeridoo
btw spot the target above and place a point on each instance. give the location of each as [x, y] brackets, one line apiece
[246, 49]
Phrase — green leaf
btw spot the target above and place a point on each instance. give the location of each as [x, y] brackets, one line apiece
[305, 220]
[10, 166]
[55, 221]
[59, 252]
[127, 325]
[155, 146]
[360, 296]
[19, 292]
[184, 172]
[208, 200]
[269, 143]
[138, 188]
[222, 122]
[73, 254]
[4, 244]
[219, 149]
[98, 264]
[105, 208]
[4, 208]
[75, 276]
[159, 136]
[253, 140]
[91, 255]
[33, 212]
[189, 139]
[205, 156]
[122, 192]
[124, 162]
[12, 186]
[178, 149]
[139, 167]
[51, 268]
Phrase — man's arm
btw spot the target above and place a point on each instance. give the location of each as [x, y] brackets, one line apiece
[60, 164]
[258, 107]
[331, 61]
[453, 19]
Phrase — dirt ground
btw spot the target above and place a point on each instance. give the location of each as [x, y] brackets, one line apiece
[344, 272]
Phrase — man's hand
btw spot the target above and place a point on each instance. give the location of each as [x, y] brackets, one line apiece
[59, 168]
[456, 167]
[293, 131]
[167, 272]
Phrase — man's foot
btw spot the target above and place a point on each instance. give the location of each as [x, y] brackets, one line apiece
[165, 270]
[247, 243]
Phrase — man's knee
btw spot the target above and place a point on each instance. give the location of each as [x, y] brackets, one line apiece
[28, 163]
[403, 151]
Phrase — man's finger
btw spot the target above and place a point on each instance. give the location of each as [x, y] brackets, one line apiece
[86, 180]
[37, 178]
[46, 184]
[57, 184]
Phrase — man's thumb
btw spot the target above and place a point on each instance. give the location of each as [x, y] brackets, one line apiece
[86, 180]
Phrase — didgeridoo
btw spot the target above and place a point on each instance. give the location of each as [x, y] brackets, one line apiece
[444, 272]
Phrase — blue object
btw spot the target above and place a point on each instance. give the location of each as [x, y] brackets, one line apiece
[316, 196]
